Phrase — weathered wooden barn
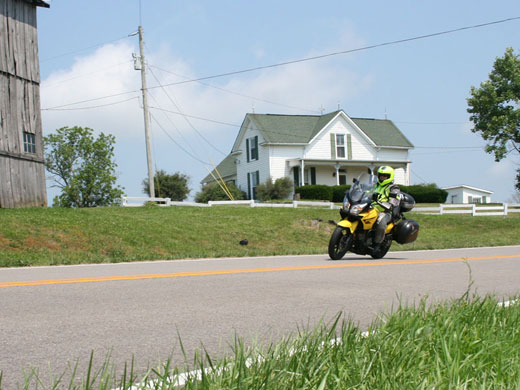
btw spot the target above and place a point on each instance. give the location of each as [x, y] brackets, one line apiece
[22, 169]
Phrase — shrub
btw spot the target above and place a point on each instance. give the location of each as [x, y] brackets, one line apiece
[280, 189]
[213, 191]
[338, 192]
[173, 186]
[315, 192]
[426, 193]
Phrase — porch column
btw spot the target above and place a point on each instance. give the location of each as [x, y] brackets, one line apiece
[303, 173]
[337, 174]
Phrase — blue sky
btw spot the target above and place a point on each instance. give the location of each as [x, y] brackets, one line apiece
[421, 85]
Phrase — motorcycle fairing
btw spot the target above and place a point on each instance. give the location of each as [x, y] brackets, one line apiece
[345, 223]
[369, 219]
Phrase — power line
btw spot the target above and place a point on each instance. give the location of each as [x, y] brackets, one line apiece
[84, 49]
[279, 132]
[343, 52]
[314, 57]
[198, 117]
[175, 127]
[90, 100]
[237, 93]
[185, 117]
[446, 151]
[175, 142]
[431, 123]
[87, 74]
[448, 147]
[90, 107]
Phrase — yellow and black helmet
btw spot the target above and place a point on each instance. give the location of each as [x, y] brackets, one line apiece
[385, 175]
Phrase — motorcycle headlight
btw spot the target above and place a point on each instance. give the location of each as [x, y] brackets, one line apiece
[356, 209]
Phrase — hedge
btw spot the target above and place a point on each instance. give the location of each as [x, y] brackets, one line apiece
[424, 193]
[315, 192]
[338, 192]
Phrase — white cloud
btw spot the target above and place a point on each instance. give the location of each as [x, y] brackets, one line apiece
[110, 71]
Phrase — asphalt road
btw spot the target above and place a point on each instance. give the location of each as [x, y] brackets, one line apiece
[50, 316]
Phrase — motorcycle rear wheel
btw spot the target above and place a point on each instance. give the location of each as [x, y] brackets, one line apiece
[383, 249]
[340, 242]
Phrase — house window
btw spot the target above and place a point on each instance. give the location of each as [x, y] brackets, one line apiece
[29, 142]
[296, 175]
[252, 148]
[340, 145]
[253, 180]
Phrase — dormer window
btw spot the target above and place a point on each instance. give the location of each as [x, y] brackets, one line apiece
[252, 148]
[340, 145]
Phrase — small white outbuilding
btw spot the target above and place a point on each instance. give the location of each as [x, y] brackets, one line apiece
[467, 194]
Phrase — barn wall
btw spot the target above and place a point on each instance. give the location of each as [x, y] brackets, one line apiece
[22, 174]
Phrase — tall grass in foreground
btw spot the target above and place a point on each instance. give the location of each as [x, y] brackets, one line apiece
[461, 344]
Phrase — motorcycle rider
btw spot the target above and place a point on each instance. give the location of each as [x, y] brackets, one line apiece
[388, 193]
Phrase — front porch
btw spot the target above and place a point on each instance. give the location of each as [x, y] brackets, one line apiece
[339, 172]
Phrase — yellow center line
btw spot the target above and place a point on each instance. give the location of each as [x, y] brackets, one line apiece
[245, 271]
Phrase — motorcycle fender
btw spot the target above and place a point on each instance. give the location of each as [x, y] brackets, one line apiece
[389, 228]
[348, 225]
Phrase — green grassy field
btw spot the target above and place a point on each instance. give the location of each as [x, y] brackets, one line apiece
[50, 236]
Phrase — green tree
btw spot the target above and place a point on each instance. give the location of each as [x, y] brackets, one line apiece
[173, 186]
[495, 108]
[82, 167]
[213, 191]
[280, 189]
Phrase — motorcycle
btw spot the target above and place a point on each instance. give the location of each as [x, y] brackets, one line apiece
[355, 231]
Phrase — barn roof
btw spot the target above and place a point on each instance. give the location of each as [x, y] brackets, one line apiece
[38, 3]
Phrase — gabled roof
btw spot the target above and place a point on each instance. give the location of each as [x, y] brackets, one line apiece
[38, 3]
[226, 168]
[382, 132]
[301, 129]
[468, 187]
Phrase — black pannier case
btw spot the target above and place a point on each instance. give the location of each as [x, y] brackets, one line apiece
[406, 231]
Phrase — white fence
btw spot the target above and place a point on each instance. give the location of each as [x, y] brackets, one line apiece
[473, 209]
[128, 201]
[136, 201]
[442, 209]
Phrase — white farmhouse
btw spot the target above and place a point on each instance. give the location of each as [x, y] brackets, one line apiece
[328, 149]
[467, 194]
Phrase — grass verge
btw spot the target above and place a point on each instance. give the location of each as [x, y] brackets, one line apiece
[100, 235]
[467, 343]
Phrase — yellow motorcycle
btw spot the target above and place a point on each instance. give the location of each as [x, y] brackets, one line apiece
[355, 231]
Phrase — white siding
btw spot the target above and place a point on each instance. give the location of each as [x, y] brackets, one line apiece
[392, 155]
[320, 148]
[244, 167]
[401, 177]
[279, 156]
[463, 194]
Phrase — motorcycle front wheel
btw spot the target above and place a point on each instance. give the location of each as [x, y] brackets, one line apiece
[340, 242]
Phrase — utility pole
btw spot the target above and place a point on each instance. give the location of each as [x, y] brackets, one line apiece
[146, 116]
